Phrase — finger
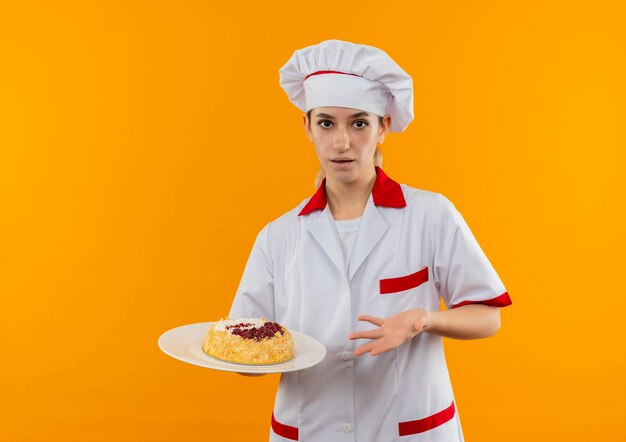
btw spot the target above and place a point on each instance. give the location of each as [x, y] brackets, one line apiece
[387, 344]
[364, 348]
[368, 334]
[377, 351]
[372, 319]
[381, 346]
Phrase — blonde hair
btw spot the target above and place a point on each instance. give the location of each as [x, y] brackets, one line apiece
[321, 173]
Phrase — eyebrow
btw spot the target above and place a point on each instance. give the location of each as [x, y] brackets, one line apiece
[330, 117]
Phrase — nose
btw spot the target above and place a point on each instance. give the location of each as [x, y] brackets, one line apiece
[342, 140]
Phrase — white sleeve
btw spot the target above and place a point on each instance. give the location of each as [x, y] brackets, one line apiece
[461, 269]
[255, 296]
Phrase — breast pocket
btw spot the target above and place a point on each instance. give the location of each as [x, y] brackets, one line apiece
[389, 286]
[404, 292]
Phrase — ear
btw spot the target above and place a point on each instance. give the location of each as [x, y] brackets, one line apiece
[307, 127]
[384, 129]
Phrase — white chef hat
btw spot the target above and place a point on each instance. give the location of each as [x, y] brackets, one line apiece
[344, 74]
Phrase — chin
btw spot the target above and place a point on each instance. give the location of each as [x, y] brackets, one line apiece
[343, 176]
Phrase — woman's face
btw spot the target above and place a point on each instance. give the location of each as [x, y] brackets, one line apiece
[345, 140]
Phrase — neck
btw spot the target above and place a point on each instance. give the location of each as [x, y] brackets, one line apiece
[348, 200]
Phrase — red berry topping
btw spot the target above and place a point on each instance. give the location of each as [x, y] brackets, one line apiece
[267, 330]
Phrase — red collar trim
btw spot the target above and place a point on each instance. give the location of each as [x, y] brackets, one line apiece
[386, 192]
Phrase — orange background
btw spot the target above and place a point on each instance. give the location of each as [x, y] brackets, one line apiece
[143, 145]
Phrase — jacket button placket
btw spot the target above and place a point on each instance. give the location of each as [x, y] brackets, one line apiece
[344, 422]
[345, 428]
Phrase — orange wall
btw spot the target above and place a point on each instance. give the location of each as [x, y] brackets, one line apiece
[144, 144]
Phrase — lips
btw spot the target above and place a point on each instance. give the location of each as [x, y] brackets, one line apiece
[342, 163]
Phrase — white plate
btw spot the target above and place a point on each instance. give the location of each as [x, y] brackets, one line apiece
[185, 344]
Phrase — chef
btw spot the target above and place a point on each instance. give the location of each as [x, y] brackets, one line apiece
[362, 264]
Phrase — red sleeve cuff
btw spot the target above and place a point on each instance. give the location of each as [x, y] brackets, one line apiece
[499, 301]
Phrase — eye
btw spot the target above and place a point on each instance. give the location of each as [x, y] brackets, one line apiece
[321, 123]
[364, 123]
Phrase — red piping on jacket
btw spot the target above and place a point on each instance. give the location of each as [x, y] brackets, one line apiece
[284, 430]
[393, 285]
[500, 301]
[427, 423]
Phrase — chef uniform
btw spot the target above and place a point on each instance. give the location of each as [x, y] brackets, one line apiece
[409, 249]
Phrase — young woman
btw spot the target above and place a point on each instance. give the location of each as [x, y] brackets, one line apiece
[362, 264]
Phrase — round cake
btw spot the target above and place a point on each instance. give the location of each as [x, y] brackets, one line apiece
[255, 341]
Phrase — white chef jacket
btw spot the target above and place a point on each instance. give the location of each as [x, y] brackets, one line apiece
[412, 247]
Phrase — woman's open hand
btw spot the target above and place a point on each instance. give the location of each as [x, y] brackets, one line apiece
[392, 331]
